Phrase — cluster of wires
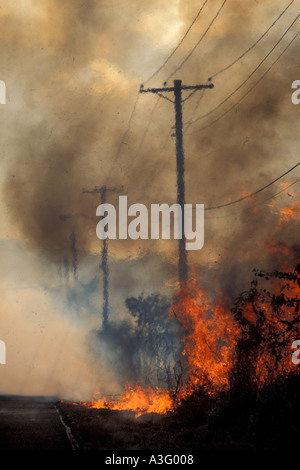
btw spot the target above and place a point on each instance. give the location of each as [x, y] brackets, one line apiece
[220, 105]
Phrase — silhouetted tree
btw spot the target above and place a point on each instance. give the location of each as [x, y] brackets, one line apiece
[156, 339]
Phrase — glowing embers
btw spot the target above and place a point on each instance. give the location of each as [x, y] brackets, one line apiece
[287, 212]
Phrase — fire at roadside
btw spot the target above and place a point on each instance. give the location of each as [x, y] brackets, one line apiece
[236, 369]
[240, 384]
[236, 360]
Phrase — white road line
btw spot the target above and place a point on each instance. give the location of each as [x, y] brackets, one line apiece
[70, 436]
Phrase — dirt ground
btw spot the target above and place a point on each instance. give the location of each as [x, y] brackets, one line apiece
[103, 429]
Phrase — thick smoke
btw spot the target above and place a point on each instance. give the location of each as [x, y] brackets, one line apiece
[73, 71]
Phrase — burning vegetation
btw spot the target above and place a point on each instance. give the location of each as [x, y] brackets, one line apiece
[289, 211]
[226, 350]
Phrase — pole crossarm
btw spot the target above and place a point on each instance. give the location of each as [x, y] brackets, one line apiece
[71, 216]
[103, 189]
[177, 90]
[172, 89]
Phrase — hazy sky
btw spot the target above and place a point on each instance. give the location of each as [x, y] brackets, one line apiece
[73, 69]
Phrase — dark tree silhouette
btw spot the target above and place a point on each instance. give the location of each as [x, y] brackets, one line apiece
[156, 339]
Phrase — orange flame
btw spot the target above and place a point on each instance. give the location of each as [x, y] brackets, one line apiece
[209, 349]
[139, 400]
[289, 212]
[210, 341]
[212, 334]
[274, 315]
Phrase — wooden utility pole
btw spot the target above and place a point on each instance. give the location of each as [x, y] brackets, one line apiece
[102, 190]
[177, 90]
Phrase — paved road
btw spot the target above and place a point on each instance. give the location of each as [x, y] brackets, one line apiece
[31, 424]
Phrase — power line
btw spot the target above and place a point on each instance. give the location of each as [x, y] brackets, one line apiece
[185, 60]
[258, 203]
[125, 135]
[249, 76]
[146, 129]
[145, 133]
[179, 44]
[254, 44]
[151, 116]
[247, 93]
[241, 56]
[159, 166]
[177, 90]
[102, 191]
[188, 124]
[198, 42]
[173, 52]
[162, 96]
[244, 96]
[279, 192]
[248, 196]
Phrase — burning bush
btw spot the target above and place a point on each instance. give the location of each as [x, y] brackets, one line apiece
[225, 350]
[268, 319]
[209, 341]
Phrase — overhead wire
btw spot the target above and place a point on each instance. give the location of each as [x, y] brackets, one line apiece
[178, 45]
[249, 76]
[159, 166]
[224, 69]
[198, 43]
[187, 125]
[125, 135]
[164, 64]
[183, 62]
[159, 69]
[248, 196]
[254, 44]
[186, 58]
[150, 120]
[247, 93]
[277, 59]
[257, 203]
[279, 192]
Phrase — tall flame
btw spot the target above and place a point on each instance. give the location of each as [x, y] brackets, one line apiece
[209, 351]
[253, 338]
[210, 340]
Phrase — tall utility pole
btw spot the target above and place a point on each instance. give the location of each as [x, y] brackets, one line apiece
[177, 90]
[102, 190]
